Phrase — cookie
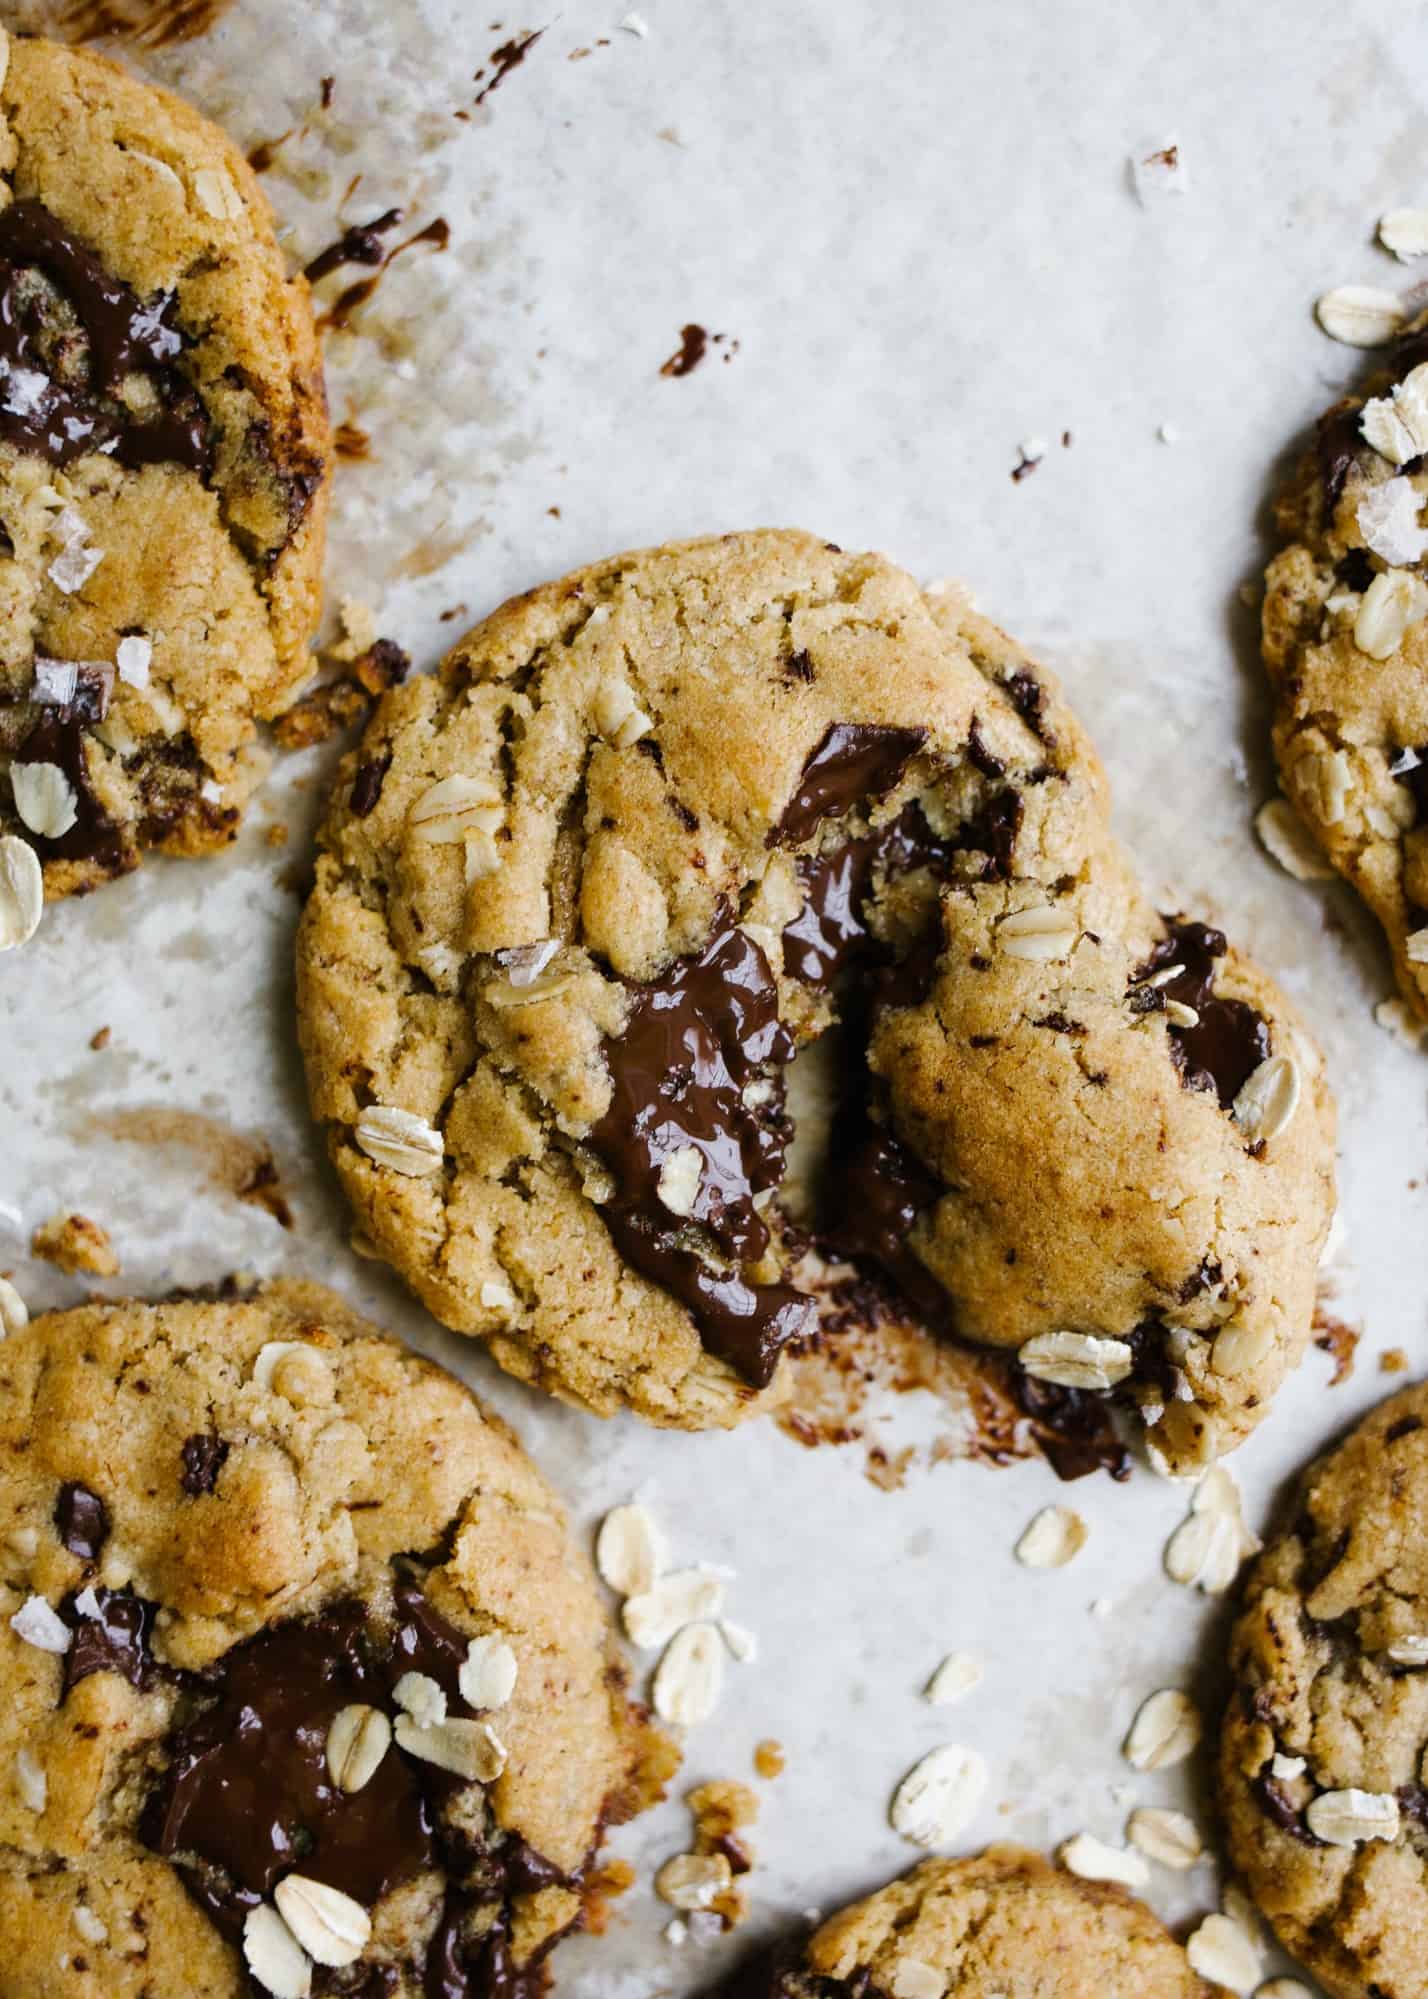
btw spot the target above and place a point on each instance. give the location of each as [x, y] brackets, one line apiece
[1322, 1767]
[583, 896]
[1004, 1925]
[1346, 647]
[302, 1676]
[163, 470]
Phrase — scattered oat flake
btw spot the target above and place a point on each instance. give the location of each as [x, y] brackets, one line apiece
[743, 1644]
[1055, 1537]
[1224, 1954]
[939, 1797]
[635, 24]
[1286, 839]
[690, 1676]
[1092, 1860]
[1404, 231]
[1171, 1839]
[685, 1596]
[1353, 1817]
[1165, 1731]
[954, 1679]
[1360, 315]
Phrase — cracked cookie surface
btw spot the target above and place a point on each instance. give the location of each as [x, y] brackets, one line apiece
[1346, 648]
[284, 1607]
[163, 470]
[1322, 1774]
[649, 831]
[1002, 1925]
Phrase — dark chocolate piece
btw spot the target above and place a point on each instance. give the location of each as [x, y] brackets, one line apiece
[367, 784]
[115, 1639]
[58, 738]
[61, 418]
[81, 1521]
[203, 1457]
[1337, 443]
[856, 763]
[1230, 1040]
[1073, 1428]
[694, 1040]
[1277, 1805]
[875, 1190]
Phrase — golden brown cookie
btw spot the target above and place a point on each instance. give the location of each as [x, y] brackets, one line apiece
[301, 1671]
[1004, 1925]
[1346, 647]
[1322, 1754]
[650, 831]
[163, 470]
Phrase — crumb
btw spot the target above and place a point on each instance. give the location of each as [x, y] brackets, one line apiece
[611, 1879]
[769, 1759]
[1337, 1339]
[554, 513]
[100, 1038]
[75, 1243]
[347, 700]
[721, 1809]
[454, 611]
[277, 834]
[1393, 1361]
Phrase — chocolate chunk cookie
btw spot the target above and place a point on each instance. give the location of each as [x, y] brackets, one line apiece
[1346, 646]
[1324, 1750]
[163, 470]
[583, 896]
[1004, 1925]
[305, 1688]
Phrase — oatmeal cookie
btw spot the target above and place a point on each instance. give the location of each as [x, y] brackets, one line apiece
[1003, 1925]
[163, 470]
[1324, 1749]
[1346, 647]
[302, 1676]
[583, 895]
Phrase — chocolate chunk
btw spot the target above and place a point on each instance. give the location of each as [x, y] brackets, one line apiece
[478, 1966]
[694, 1041]
[203, 1457]
[115, 1639]
[1337, 444]
[58, 738]
[1028, 697]
[1413, 1801]
[1230, 1039]
[877, 1189]
[1406, 1426]
[1072, 1427]
[1276, 1804]
[81, 1521]
[1355, 570]
[367, 784]
[855, 762]
[980, 757]
[247, 1787]
[49, 413]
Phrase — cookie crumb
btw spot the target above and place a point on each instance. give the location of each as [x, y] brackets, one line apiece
[345, 701]
[74, 1243]
[100, 1038]
[770, 1760]
[1332, 1336]
[1393, 1361]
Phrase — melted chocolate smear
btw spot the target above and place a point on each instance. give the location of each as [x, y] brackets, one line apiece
[339, 313]
[58, 738]
[81, 1521]
[61, 420]
[203, 1457]
[510, 55]
[777, 1973]
[117, 1639]
[1072, 1427]
[695, 1039]
[875, 1189]
[693, 345]
[360, 244]
[855, 763]
[1230, 1040]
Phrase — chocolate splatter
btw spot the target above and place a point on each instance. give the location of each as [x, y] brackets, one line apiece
[499, 64]
[693, 344]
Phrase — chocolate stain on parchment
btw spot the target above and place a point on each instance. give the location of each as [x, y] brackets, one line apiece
[499, 64]
[436, 236]
[237, 1163]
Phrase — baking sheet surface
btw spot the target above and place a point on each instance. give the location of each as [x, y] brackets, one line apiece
[914, 226]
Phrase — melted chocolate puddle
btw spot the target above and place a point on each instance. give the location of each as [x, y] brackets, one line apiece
[247, 1795]
[53, 406]
[58, 738]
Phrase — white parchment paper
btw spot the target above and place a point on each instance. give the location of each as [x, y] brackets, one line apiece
[915, 226]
